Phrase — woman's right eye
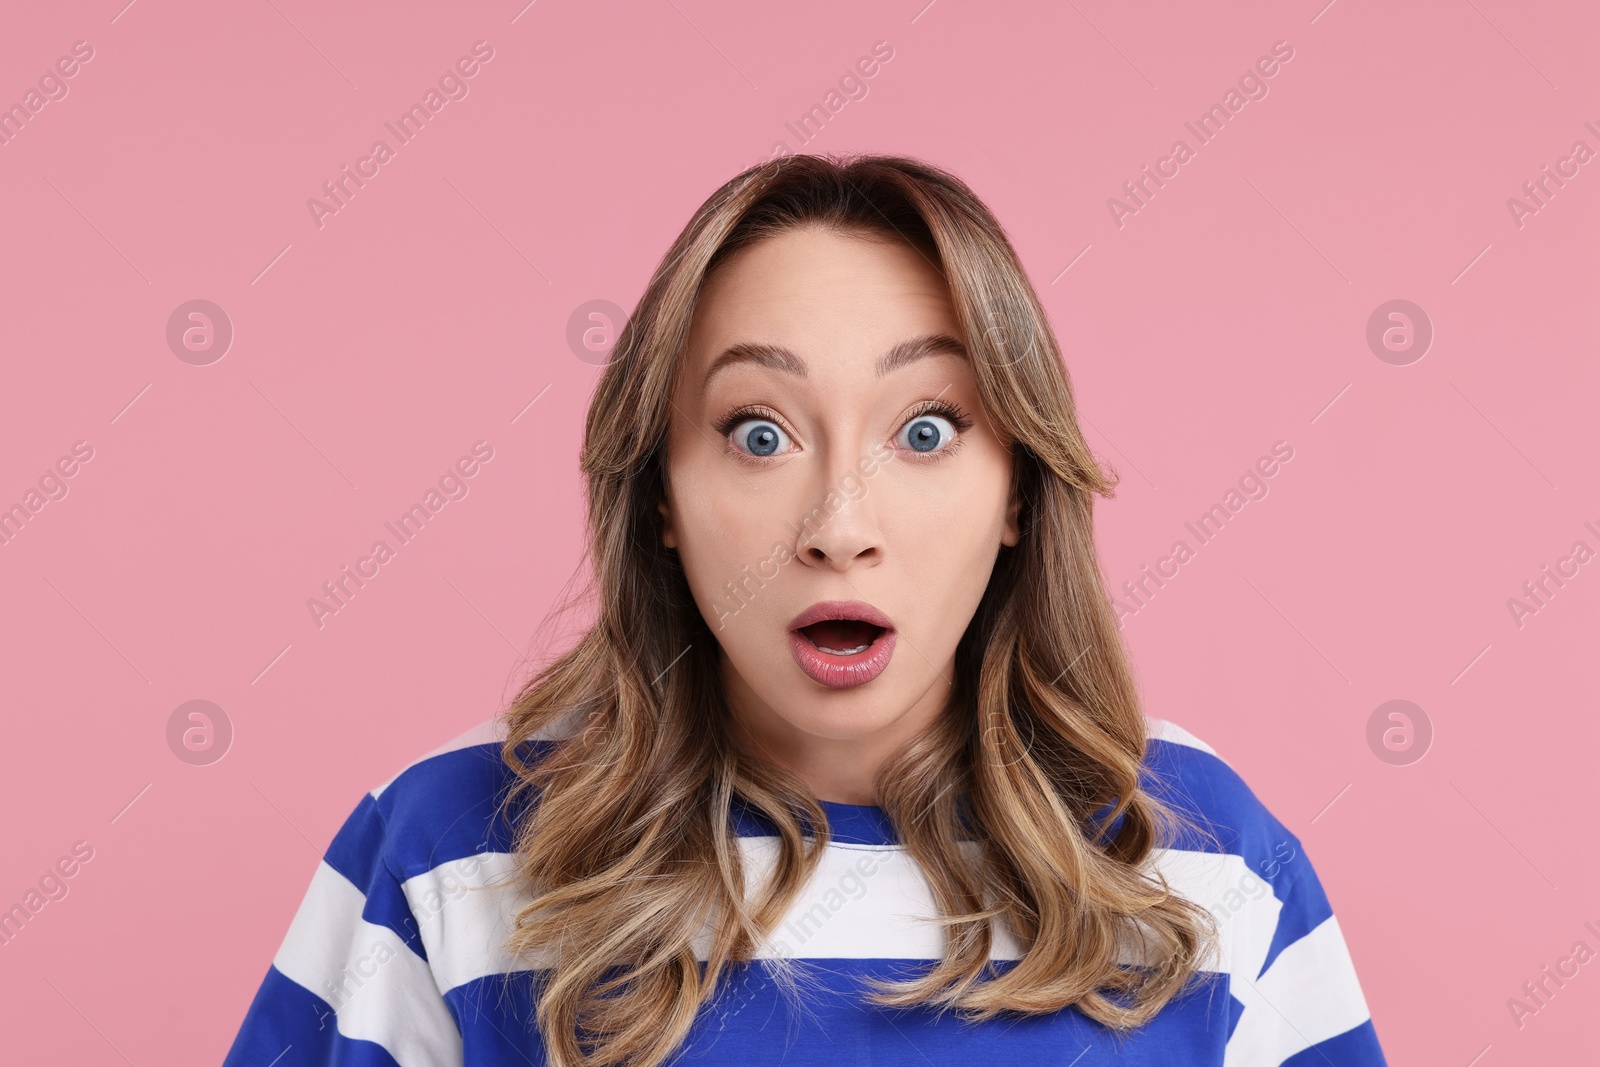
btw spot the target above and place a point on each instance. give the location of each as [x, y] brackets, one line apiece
[759, 437]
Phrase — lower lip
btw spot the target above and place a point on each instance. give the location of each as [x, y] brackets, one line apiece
[842, 672]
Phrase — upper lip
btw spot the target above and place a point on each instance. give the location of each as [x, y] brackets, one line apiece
[841, 609]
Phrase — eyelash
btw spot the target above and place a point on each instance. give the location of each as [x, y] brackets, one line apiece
[945, 408]
[948, 410]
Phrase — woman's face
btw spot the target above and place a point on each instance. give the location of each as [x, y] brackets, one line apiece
[828, 448]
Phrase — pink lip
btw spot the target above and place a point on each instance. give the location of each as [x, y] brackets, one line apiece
[841, 609]
[842, 672]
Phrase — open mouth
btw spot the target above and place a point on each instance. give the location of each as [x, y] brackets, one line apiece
[842, 643]
[841, 637]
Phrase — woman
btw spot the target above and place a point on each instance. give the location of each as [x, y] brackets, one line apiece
[851, 765]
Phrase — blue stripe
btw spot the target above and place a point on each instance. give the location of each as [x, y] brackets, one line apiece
[357, 849]
[1206, 789]
[287, 1016]
[848, 824]
[445, 808]
[1305, 908]
[750, 1021]
[357, 852]
[1357, 1047]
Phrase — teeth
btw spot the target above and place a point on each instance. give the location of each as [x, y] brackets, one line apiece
[845, 652]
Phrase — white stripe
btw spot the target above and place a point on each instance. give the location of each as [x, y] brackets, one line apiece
[863, 902]
[465, 910]
[380, 990]
[1162, 730]
[1309, 994]
[1243, 905]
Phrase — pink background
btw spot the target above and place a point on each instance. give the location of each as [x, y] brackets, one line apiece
[1227, 314]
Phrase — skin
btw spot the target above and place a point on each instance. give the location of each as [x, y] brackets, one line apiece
[916, 536]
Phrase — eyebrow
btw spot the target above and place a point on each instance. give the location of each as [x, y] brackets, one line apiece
[782, 359]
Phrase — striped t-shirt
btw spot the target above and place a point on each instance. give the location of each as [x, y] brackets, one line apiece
[396, 955]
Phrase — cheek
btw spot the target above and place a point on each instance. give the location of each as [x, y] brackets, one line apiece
[947, 538]
[721, 527]
[943, 548]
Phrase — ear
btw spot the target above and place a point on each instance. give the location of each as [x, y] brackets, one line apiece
[1011, 533]
[669, 536]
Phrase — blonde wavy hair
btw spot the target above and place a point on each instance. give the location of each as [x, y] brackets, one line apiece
[630, 852]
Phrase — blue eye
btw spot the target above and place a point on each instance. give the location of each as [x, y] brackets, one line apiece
[758, 437]
[926, 433]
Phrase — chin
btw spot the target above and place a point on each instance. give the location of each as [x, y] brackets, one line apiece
[842, 714]
[841, 718]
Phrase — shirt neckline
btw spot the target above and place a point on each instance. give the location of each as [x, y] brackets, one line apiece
[848, 824]
[858, 824]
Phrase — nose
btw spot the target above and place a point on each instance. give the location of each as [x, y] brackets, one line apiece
[839, 530]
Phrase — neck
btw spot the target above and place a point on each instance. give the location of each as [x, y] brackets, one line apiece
[837, 764]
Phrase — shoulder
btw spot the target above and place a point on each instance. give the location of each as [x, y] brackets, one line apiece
[1293, 983]
[446, 804]
[386, 926]
[1228, 852]
[1226, 815]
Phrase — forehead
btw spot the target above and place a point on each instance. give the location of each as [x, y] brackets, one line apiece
[821, 290]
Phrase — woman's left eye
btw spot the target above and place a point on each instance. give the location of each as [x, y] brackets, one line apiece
[759, 437]
[926, 433]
